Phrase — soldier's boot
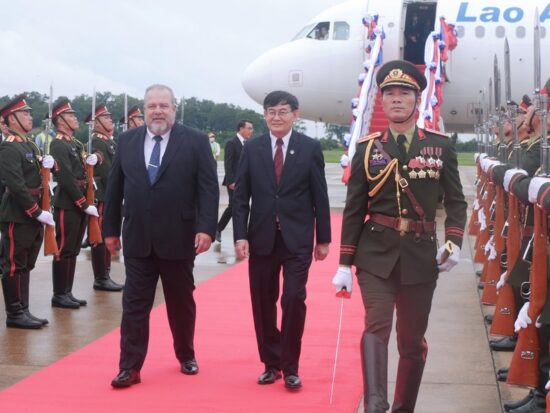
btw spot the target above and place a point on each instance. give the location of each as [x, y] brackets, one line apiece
[537, 404]
[25, 281]
[59, 278]
[409, 377]
[374, 361]
[102, 278]
[15, 316]
[70, 280]
[514, 405]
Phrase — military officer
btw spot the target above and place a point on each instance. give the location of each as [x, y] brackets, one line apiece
[103, 146]
[394, 181]
[21, 218]
[135, 117]
[70, 206]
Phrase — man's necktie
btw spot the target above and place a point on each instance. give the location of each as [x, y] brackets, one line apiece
[278, 160]
[154, 161]
[401, 145]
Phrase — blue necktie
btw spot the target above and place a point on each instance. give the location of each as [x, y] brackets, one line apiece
[154, 161]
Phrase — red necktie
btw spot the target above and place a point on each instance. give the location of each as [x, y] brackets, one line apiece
[278, 160]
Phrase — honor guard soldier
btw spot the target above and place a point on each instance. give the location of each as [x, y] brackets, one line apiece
[135, 117]
[103, 146]
[70, 206]
[21, 218]
[388, 233]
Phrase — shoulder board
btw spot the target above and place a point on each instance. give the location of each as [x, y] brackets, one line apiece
[436, 132]
[61, 137]
[534, 142]
[13, 138]
[369, 137]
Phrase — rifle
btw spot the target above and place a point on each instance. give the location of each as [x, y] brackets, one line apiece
[125, 126]
[524, 367]
[94, 232]
[473, 225]
[50, 243]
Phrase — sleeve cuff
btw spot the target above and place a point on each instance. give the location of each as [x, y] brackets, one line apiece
[33, 211]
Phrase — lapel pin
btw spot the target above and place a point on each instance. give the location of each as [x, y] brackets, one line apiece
[292, 151]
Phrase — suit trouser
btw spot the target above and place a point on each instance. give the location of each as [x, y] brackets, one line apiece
[279, 348]
[226, 216]
[412, 304]
[177, 279]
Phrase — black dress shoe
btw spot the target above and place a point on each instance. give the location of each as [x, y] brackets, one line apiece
[23, 321]
[478, 273]
[76, 300]
[190, 367]
[293, 382]
[514, 405]
[126, 378]
[42, 321]
[269, 376]
[503, 344]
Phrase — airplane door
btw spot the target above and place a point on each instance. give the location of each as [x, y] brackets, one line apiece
[418, 24]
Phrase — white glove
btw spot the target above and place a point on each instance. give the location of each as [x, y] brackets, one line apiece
[492, 252]
[547, 385]
[501, 281]
[343, 279]
[46, 218]
[48, 161]
[452, 258]
[481, 220]
[509, 174]
[92, 210]
[91, 159]
[523, 319]
[476, 204]
[534, 187]
[344, 161]
[489, 245]
[482, 156]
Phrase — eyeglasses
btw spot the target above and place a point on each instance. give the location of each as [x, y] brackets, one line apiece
[282, 113]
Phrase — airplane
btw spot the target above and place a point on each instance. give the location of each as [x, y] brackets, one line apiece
[321, 64]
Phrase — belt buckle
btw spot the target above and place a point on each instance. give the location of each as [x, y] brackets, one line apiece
[403, 183]
[403, 226]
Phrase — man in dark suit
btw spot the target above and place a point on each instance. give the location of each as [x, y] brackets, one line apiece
[282, 172]
[231, 156]
[388, 233]
[166, 176]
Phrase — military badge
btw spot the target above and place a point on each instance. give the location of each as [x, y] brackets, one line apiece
[422, 174]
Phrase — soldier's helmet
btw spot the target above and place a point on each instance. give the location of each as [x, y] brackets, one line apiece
[16, 104]
[400, 73]
[63, 106]
[133, 112]
[100, 110]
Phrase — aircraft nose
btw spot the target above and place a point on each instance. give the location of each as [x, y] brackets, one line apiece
[257, 78]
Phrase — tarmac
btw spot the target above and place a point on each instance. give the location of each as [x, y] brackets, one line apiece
[460, 370]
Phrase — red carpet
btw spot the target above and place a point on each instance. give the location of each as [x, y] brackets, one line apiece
[227, 356]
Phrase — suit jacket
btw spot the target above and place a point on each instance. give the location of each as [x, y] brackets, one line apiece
[164, 216]
[376, 248]
[300, 201]
[232, 153]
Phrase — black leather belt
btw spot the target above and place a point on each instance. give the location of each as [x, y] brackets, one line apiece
[403, 225]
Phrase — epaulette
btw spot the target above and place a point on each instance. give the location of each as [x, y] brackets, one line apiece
[62, 137]
[436, 132]
[13, 138]
[369, 137]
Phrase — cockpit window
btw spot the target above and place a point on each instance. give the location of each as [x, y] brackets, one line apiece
[320, 31]
[341, 31]
[302, 33]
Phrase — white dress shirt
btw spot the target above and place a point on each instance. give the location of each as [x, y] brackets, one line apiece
[150, 143]
[241, 138]
[285, 139]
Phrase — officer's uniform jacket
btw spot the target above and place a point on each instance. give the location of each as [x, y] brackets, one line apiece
[20, 171]
[430, 162]
[104, 147]
[69, 172]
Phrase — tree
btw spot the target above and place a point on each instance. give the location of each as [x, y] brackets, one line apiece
[333, 131]
[300, 126]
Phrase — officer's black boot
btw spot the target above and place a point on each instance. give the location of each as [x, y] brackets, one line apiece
[59, 278]
[409, 377]
[15, 316]
[102, 278]
[70, 280]
[25, 281]
[537, 404]
[514, 405]
[374, 360]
